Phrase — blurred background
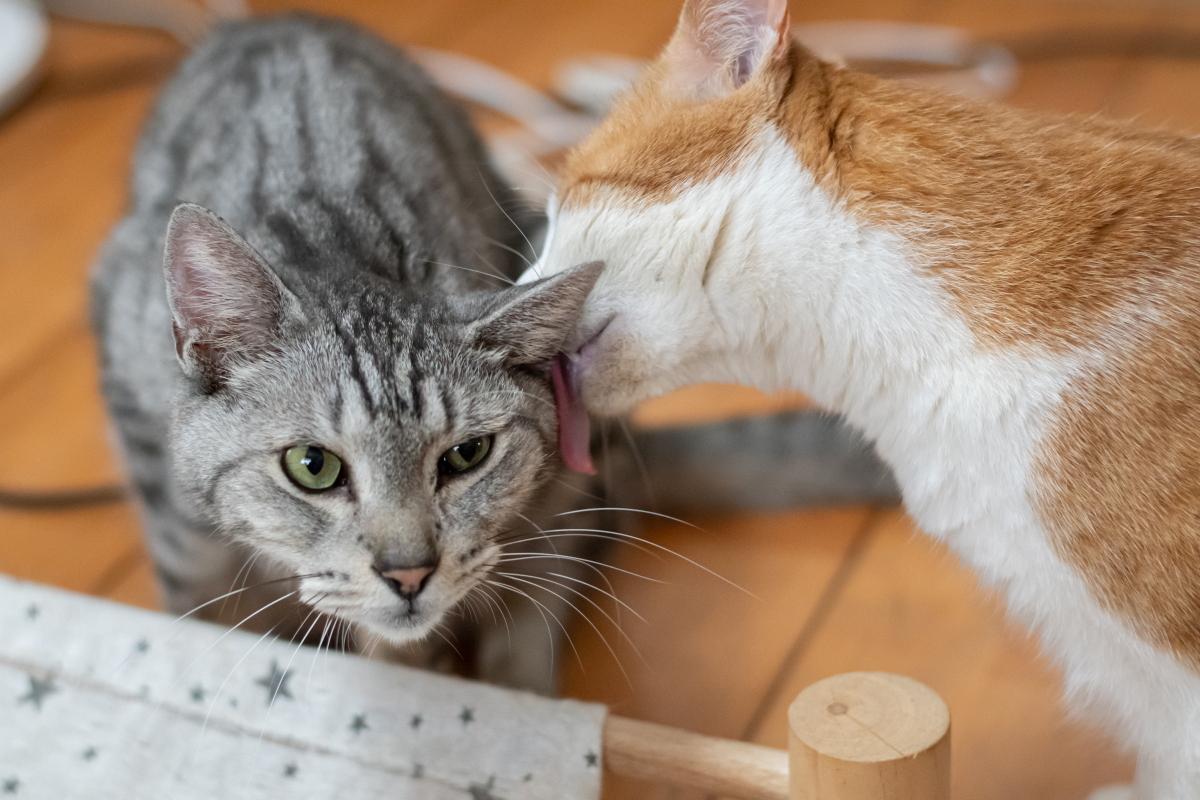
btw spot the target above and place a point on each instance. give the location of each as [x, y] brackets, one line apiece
[835, 589]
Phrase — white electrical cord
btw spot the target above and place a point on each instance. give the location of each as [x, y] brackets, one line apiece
[590, 82]
[593, 82]
[23, 34]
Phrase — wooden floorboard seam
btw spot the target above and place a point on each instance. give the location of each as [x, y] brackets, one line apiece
[821, 611]
[118, 571]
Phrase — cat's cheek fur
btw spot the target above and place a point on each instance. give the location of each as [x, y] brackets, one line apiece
[648, 320]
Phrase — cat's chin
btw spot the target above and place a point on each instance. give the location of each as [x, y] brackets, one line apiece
[398, 629]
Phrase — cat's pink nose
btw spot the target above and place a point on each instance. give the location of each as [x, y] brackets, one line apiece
[407, 581]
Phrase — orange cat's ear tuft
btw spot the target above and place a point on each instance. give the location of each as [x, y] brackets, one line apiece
[719, 45]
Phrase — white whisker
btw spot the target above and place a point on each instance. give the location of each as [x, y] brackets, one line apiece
[649, 543]
[221, 688]
[585, 618]
[500, 278]
[589, 562]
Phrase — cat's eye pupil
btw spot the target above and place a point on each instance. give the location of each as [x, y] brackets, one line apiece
[465, 456]
[314, 459]
[313, 468]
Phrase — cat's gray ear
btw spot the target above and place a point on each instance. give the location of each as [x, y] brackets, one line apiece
[720, 44]
[529, 324]
[226, 302]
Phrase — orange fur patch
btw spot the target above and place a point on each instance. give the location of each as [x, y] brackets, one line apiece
[1052, 234]
[1048, 233]
[654, 143]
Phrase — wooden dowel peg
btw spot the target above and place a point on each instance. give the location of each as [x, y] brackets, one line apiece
[716, 766]
[868, 736]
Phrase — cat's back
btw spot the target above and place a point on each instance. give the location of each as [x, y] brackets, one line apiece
[325, 147]
[329, 151]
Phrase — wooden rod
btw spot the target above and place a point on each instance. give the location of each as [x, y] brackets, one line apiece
[869, 736]
[858, 736]
[717, 766]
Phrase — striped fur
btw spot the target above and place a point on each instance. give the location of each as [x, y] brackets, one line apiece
[370, 199]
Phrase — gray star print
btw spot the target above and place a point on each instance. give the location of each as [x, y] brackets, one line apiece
[480, 791]
[11, 785]
[360, 723]
[467, 715]
[276, 682]
[37, 692]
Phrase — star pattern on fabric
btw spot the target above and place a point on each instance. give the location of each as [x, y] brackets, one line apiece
[89, 754]
[416, 721]
[142, 645]
[290, 770]
[418, 771]
[276, 682]
[359, 724]
[592, 759]
[483, 791]
[11, 786]
[467, 716]
[33, 611]
[38, 690]
[197, 693]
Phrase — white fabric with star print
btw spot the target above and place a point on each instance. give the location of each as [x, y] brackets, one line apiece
[116, 702]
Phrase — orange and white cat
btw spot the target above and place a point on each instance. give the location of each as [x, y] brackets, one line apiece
[1007, 303]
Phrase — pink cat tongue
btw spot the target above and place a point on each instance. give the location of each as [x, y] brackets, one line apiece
[574, 429]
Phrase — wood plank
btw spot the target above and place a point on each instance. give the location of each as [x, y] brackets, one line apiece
[138, 588]
[60, 436]
[71, 549]
[712, 402]
[1077, 85]
[426, 24]
[59, 442]
[912, 609]
[1160, 90]
[65, 155]
[708, 651]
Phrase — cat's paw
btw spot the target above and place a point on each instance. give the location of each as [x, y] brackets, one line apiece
[1118, 791]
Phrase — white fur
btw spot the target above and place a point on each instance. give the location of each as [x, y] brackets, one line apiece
[802, 296]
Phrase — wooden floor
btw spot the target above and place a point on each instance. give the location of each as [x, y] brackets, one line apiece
[834, 589]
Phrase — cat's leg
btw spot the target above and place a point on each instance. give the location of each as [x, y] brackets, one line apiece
[1168, 767]
[525, 652]
[192, 564]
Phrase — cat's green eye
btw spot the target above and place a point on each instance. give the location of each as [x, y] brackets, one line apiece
[312, 467]
[465, 456]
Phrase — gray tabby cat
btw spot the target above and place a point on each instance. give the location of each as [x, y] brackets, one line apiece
[326, 373]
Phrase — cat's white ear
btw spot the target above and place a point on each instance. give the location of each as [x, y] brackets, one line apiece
[720, 44]
[531, 323]
[225, 300]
